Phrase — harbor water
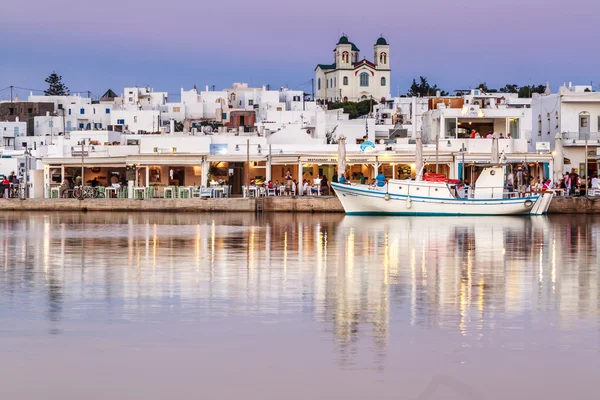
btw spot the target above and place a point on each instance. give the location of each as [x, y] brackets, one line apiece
[298, 306]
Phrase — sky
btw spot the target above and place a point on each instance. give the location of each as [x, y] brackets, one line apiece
[96, 45]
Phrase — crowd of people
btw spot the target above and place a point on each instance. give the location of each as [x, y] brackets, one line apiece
[7, 183]
[477, 135]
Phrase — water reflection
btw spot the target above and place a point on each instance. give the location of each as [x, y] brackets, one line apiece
[356, 278]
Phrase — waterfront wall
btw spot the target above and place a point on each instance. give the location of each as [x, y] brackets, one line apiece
[566, 205]
[271, 204]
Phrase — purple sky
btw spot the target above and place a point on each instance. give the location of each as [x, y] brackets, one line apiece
[98, 45]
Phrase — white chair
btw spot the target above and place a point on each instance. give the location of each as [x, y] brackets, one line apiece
[270, 191]
[195, 193]
[206, 192]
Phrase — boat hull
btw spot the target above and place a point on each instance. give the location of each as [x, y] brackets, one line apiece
[362, 201]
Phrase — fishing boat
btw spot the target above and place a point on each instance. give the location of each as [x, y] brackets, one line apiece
[436, 195]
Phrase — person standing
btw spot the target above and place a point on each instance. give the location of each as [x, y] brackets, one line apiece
[521, 182]
[363, 179]
[342, 179]
[380, 180]
[574, 178]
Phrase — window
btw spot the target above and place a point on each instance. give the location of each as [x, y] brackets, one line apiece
[327, 83]
[11, 111]
[60, 106]
[94, 110]
[50, 124]
[345, 81]
[383, 81]
[131, 99]
[176, 109]
[383, 58]
[539, 125]
[121, 122]
[334, 82]
[583, 122]
[68, 128]
[30, 111]
[69, 111]
[135, 118]
[345, 57]
[37, 124]
[16, 130]
[250, 102]
[556, 117]
[82, 111]
[548, 117]
[108, 110]
[364, 79]
[318, 86]
[81, 126]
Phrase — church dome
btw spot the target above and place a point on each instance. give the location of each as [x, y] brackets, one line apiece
[343, 40]
[381, 42]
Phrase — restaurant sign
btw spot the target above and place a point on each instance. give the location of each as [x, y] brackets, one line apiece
[79, 153]
[542, 146]
[165, 150]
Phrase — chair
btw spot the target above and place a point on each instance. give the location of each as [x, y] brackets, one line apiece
[150, 192]
[261, 192]
[169, 192]
[195, 193]
[244, 192]
[55, 192]
[270, 191]
[206, 192]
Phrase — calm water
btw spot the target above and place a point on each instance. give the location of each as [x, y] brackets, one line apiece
[229, 306]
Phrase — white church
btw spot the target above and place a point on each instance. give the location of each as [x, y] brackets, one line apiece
[351, 79]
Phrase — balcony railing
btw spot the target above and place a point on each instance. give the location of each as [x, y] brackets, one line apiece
[570, 136]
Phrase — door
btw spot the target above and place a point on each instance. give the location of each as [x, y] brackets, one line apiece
[584, 126]
[242, 121]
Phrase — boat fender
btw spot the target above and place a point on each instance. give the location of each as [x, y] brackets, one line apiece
[386, 197]
[408, 202]
[528, 204]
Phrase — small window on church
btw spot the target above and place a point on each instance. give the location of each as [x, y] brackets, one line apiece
[345, 81]
[383, 81]
[319, 84]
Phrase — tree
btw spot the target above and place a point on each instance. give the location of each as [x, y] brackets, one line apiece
[55, 86]
[528, 90]
[423, 88]
[510, 88]
[484, 88]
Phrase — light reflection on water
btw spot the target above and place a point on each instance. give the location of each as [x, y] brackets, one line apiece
[353, 298]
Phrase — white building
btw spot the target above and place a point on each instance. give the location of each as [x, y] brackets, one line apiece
[349, 78]
[575, 112]
[11, 133]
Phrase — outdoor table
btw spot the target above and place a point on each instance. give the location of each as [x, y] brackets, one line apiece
[218, 191]
[251, 189]
[110, 190]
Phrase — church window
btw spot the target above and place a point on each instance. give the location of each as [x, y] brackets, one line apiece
[345, 80]
[364, 79]
[383, 58]
[383, 81]
[345, 57]
[319, 84]
[327, 83]
[334, 82]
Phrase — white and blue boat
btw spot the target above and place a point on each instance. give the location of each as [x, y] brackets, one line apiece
[441, 197]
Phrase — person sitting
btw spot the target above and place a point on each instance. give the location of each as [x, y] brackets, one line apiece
[305, 188]
[288, 186]
[489, 136]
[363, 179]
[342, 179]
[501, 135]
[380, 180]
[546, 185]
[270, 185]
[4, 185]
[94, 183]
[64, 188]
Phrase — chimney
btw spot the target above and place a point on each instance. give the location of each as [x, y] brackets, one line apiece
[570, 84]
[438, 93]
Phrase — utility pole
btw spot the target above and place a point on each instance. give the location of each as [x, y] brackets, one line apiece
[312, 85]
[82, 182]
[11, 96]
[437, 150]
[248, 166]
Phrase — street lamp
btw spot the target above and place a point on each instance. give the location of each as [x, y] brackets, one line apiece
[25, 181]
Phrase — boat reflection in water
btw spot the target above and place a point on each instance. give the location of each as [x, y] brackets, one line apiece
[398, 296]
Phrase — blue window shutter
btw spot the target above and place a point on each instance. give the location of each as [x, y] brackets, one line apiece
[82, 111]
[108, 110]
[69, 111]
[80, 126]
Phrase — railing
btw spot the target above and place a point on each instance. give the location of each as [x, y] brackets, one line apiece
[581, 136]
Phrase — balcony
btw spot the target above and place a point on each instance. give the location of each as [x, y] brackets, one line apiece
[578, 139]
